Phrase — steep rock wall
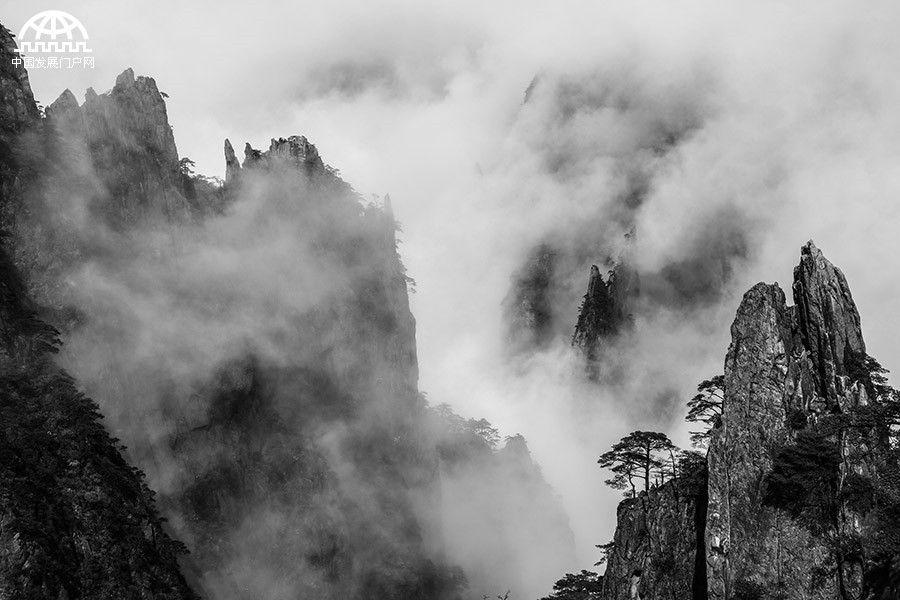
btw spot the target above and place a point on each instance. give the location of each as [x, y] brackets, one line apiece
[655, 545]
[76, 520]
[781, 360]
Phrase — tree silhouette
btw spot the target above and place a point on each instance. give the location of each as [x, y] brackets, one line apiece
[706, 408]
[636, 456]
[586, 585]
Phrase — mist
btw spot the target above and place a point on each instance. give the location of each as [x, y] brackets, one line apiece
[725, 136]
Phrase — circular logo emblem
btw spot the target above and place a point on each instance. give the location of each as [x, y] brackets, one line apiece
[52, 24]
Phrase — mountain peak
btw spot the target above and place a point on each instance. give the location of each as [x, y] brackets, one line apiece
[125, 78]
[292, 152]
[66, 103]
[827, 319]
[120, 129]
[232, 166]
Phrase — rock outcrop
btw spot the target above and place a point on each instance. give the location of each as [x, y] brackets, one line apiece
[657, 543]
[17, 106]
[828, 325]
[345, 460]
[18, 114]
[126, 135]
[292, 473]
[540, 289]
[749, 544]
[782, 360]
[789, 371]
[76, 520]
[605, 311]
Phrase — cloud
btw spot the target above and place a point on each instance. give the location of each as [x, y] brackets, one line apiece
[728, 134]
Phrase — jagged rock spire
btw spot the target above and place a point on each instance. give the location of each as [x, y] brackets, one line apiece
[232, 166]
[596, 319]
[782, 360]
[120, 129]
[293, 151]
[827, 319]
[65, 103]
[604, 312]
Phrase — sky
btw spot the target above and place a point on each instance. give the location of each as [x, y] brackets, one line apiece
[792, 134]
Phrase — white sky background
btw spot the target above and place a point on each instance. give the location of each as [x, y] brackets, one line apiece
[407, 96]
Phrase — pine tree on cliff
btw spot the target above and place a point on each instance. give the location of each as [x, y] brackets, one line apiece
[637, 456]
[706, 408]
[586, 585]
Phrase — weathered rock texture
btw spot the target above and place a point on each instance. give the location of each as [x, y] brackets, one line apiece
[18, 114]
[782, 359]
[89, 174]
[656, 544]
[783, 362]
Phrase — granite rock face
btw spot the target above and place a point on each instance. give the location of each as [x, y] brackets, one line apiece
[748, 543]
[655, 546]
[828, 324]
[89, 174]
[786, 364]
[310, 476]
[782, 360]
[18, 115]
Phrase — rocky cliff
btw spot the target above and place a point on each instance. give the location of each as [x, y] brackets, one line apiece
[125, 133]
[326, 491]
[795, 506]
[605, 312]
[287, 475]
[783, 361]
[76, 520]
[652, 550]
[658, 542]
[251, 342]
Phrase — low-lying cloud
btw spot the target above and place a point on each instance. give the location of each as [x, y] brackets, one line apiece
[726, 135]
